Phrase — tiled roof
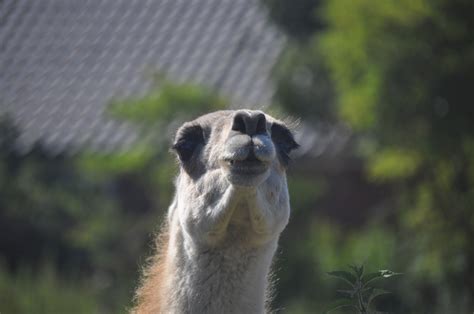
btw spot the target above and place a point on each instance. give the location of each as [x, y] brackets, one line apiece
[62, 61]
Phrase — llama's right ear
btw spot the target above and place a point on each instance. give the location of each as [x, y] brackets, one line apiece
[188, 139]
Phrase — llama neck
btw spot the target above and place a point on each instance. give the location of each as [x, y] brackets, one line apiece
[230, 278]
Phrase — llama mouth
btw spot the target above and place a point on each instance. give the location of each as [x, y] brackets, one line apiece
[250, 166]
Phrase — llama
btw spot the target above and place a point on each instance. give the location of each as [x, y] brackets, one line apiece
[222, 228]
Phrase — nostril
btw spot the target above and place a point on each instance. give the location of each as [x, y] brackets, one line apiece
[239, 124]
[249, 123]
[261, 124]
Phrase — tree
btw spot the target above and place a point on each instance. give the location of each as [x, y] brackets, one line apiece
[401, 73]
[90, 216]
[297, 18]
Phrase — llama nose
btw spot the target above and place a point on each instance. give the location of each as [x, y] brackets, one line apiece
[250, 123]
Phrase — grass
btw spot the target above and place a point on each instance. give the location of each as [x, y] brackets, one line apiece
[43, 291]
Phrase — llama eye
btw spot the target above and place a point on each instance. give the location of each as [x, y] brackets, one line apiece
[284, 141]
[188, 139]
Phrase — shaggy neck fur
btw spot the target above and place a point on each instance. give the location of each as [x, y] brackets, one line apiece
[222, 268]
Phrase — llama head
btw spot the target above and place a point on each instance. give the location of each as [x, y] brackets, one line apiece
[248, 146]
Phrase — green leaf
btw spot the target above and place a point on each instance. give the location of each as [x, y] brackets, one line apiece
[366, 292]
[358, 270]
[394, 163]
[378, 275]
[341, 304]
[371, 277]
[376, 293]
[347, 293]
[344, 275]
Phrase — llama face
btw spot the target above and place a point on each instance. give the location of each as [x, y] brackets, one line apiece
[246, 145]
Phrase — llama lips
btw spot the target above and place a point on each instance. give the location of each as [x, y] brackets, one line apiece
[249, 166]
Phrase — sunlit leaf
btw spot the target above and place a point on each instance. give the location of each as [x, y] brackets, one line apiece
[388, 273]
[394, 163]
[368, 278]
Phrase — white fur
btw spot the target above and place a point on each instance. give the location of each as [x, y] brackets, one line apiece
[223, 236]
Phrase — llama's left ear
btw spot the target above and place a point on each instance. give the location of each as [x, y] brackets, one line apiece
[284, 141]
[188, 139]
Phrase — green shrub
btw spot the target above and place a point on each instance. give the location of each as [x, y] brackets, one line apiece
[45, 292]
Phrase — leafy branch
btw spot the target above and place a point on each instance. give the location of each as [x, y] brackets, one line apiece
[361, 293]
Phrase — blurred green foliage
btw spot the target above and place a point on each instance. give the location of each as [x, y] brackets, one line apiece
[403, 72]
[360, 293]
[92, 216]
[399, 74]
[166, 103]
[45, 292]
[298, 18]
[50, 211]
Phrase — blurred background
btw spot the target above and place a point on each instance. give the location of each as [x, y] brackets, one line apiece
[92, 91]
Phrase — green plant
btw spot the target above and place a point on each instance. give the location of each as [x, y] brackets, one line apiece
[45, 291]
[362, 293]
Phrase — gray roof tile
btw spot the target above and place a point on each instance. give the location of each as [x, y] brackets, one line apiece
[63, 61]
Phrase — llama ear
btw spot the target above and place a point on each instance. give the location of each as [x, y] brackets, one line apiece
[284, 141]
[188, 139]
